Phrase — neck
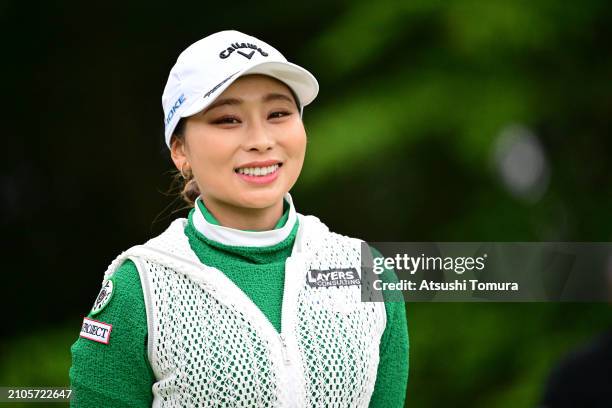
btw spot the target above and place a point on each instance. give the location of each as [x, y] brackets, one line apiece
[246, 219]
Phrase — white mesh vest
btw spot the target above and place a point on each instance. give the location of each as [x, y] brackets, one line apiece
[209, 345]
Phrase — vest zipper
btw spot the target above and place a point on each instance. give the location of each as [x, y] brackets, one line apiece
[290, 353]
[284, 349]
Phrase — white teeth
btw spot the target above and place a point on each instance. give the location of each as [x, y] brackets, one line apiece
[258, 171]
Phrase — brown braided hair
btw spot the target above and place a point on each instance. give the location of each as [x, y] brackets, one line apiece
[189, 191]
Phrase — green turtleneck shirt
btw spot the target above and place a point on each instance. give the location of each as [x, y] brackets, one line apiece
[118, 374]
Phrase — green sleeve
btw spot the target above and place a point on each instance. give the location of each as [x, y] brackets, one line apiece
[392, 374]
[117, 374]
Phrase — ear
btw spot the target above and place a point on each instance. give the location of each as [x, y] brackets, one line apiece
[178, 152]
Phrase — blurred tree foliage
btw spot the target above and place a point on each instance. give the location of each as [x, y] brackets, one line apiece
[421, 90]
[414, 96]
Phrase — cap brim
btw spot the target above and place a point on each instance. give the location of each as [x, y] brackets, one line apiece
[302, 82]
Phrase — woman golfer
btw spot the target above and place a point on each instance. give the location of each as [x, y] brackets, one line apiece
[246, 303]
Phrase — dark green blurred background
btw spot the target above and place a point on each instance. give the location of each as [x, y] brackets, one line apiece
[436, 121]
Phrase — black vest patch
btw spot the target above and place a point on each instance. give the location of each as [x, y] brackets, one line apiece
[318, 278]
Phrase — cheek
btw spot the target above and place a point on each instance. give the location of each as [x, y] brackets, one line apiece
[296, 141]
[211, 148]
[211, 156]
[296, 151]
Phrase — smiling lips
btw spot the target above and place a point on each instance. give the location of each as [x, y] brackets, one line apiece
[263, 172]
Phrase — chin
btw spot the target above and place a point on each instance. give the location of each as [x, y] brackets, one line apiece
[261, 199]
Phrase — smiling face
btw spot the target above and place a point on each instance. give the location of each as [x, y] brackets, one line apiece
[247, 148]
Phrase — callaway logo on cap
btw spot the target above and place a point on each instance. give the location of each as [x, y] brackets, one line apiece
[207, 67]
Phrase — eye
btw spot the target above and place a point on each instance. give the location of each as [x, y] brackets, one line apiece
[278, 114]
[226, 120]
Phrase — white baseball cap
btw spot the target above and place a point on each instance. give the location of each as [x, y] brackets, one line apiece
[207, 67]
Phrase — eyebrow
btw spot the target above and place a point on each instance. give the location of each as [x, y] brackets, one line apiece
[237, 101]
[277, 96]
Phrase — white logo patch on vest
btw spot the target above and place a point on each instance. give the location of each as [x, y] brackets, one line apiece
[318, 278]
[96, 331]
[105, 295]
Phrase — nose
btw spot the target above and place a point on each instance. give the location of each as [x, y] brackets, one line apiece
[258, 137]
